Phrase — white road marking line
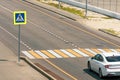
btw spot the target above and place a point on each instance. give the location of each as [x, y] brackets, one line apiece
[113, 50]
[91, 51]
[67, 53]
[15, 37]
[102, 50]
[28, 55]
[41, 54]
[6, 8]
[54, 53]
[64, 51]
[81, 53]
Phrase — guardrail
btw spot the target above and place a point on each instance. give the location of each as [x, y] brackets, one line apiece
[112, 5]
[92, 8]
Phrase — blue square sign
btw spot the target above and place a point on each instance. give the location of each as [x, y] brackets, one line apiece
[19, 17]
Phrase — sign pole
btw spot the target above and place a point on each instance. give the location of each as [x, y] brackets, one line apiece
[19, 48]
[86, 8]
[59, 4]
[19, 18]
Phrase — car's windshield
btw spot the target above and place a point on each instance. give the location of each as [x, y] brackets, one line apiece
[113, 58]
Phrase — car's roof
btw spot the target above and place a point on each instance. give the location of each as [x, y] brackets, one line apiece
[106, 54]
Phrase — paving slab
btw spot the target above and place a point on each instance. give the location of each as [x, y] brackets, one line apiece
[11, 69]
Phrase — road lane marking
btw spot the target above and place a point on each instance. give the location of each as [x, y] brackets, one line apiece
[96, 50]
[92, 52]
[76, 27]
[15, 37]
[28, 55]
[58, 68]
[41, 54]
[65, 53]
[86, 52]
[61, 53]
[81, 53]
[102, 50]
[74, 53]
[34, 54]
[113, 50]
[118, 50]
[48, 54]
[107, 50]
[54, 53]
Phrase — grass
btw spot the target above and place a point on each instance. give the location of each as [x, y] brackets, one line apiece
[111, 31]
[71, 10]
[107, 17]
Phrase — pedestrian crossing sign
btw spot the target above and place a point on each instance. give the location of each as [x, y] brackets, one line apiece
[19, 17]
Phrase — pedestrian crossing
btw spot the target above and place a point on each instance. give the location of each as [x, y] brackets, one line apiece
[65, 53]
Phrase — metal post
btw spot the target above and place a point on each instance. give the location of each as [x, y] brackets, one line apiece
[97, 3]
[86, 8]
[103, 4]
[59, 4]
[19, 43]
[110, 5]
[116, 5]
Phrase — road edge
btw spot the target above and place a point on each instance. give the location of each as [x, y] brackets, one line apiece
[57, 10]
[37, 68]
[102, 30]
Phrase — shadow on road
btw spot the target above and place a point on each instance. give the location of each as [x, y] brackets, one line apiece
[95, 75]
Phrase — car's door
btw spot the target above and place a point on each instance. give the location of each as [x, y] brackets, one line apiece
[96, 62]
[99, 62]
[93, 62]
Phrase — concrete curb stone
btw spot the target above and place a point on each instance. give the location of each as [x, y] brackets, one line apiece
[37, 68]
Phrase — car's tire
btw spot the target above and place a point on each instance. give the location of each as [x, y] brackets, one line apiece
[89, 66]
[100, 73]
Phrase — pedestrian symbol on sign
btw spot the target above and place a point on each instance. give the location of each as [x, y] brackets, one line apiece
[19, 17]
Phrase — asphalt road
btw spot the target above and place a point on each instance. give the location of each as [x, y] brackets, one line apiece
[47, 31]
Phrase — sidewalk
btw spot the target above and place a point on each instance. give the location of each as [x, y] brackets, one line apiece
[10, 69]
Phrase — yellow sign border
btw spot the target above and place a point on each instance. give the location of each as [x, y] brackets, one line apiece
[25, 18]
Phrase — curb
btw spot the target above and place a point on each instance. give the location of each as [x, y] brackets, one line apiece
[102, 30]
[55, 11]
[37, 68]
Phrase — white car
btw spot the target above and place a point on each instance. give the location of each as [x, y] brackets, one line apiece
[105, 64]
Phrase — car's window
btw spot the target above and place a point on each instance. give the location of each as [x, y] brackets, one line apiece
[98, 57]
[113, 58]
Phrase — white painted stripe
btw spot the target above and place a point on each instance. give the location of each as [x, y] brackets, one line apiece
[28, 55]
[113, 50]
[41, 54]
[54, 53]
[67, 53]
[91, 51]
[81, 53]
[102, 50]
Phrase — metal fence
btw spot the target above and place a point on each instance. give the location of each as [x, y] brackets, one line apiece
[113, 5]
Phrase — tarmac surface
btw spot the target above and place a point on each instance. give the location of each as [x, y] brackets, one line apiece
[11, 69]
